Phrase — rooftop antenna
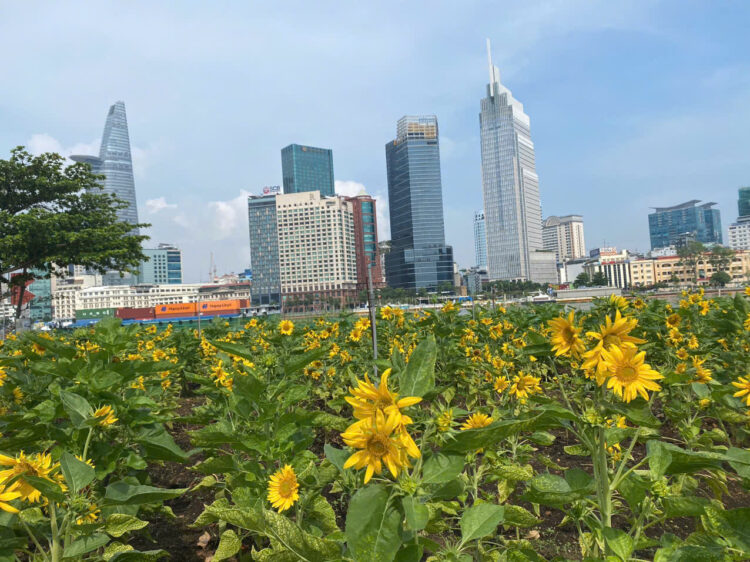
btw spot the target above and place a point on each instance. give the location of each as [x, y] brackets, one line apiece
[491, 68]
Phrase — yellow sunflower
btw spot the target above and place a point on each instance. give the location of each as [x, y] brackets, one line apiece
[5, 497]
[501, 383]
[379, 445]
[475, 421]
[283, 488]
[37, 464]
[618, 301]
[616, 333]
[743, 383]
[286, 327]
[367, 399]
[565, 339]
[445, 420]
[105, 415]
[629, 375]
[524, 386]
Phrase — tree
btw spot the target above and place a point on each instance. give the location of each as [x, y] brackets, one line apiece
[690, 254]
[53, 216]
[599, 280]
[582, 280]
[720, 278]
[721, 258]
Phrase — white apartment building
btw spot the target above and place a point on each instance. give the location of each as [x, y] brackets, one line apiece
[564, 236]
[613, 264]
[316, 244]
[739, 234]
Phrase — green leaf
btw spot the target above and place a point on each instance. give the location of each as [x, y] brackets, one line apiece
[683, 461]
[419, 376]
[83, 545]
[684, 506]
[733, 525]
[298, 362]
[159, 445]
[235, 349]
[659, 459]
[440, 468]
[139, 556]
[576, 450]
[48, 488]
[514, 472]
[304, 545]
[544, 438]
[122, 493]
[409, 553]
[516, 516]
[474, 439]
[373, 526]
[335, 456]
[416, 513]
[321, 514]
[120, 523]
[739, 460]
[77, 407]
[77, 474]
[618, 542]
[480, 520]
[229, 545]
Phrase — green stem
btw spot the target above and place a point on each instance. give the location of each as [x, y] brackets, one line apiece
[616, 480]
[601, 476]
[86, 446]
[33, 538]
[55, 551]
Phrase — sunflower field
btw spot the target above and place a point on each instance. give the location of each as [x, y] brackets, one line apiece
[617, 433]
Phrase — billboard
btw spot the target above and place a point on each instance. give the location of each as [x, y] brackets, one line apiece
[272, 190]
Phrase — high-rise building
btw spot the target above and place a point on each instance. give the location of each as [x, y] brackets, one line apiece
[512, 209]
[739, 234]
[677, 225]
[264, 250]
[302, 250]
[366, 240]
[480, 241]
[419, 258]
[164, 266]
[743, 202]
[564, 236]
[115, 163]
[307, 168]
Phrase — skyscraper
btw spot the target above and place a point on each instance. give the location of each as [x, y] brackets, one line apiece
[163, 267]
[743, 202]
[564, 236]
[366, 240]
[115, 163]
[307, 168]
[682, 223]
[419, 258]
[480, 241]
[264, 250]
[512, 210]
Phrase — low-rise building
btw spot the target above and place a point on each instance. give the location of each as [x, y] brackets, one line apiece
[650, 271]
[613, 264]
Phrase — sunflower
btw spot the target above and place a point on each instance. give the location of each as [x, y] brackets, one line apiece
[367, 399]
[5, 497]
[618, 302]
[674, 320]
[616, 333]
[702, 374]
[525, 385]
[682, 354]
[501, 383]
[475, 421]
[106, 415]
[445, 420]
[378, 444]
[91, 515]
[565, 339]
[286, 327]
[37, 464]
[629, 376]
[283, 488]
[693, 342]
[744, 389]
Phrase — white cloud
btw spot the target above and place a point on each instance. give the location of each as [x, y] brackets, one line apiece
[349, 188]
[153, 206]
[181, 220]
[229, 217]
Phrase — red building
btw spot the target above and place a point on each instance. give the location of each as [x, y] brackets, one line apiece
[366, 240]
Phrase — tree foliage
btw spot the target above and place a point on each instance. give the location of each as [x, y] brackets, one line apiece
[53, 215]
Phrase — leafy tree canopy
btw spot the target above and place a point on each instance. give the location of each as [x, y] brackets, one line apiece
[53, 215]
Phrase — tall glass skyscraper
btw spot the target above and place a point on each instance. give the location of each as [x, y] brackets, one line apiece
[677, 225]
[480, 241]
[743, 202]
[307, 168]
[264, 250]
[419, 258]
[115, 163]
[512, 210]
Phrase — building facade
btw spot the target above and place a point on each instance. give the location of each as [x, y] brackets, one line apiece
[366, 241]
[115, 162]
[419, 258]
[739, 234]
[649, 271]
[613, 264]
[307, 168]
[264, 250]
[510, 185]
[564, 236]
[677, 225]
[743, 202]
[480, 241]
[163, 267]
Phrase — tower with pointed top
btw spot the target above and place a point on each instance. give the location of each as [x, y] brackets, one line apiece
[510, 186]
[115, 162]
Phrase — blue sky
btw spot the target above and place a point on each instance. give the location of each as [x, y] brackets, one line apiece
[632, 104]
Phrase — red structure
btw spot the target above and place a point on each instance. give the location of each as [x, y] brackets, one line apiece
[366, 240]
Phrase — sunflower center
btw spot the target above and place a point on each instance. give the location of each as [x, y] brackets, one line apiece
[568, 334]
[377, 446]
[286, 488]
[628, 374]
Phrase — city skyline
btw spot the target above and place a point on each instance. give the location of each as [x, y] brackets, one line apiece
[612, 130]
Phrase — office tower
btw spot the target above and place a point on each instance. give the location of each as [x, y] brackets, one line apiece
[264, 250]
[564, 236]
[743, 202]
[512, 210]
[480, 241]
[115, 163]
[164, 266]
[680, 224]
[307, 168]
[419, 258]
[366, 240]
